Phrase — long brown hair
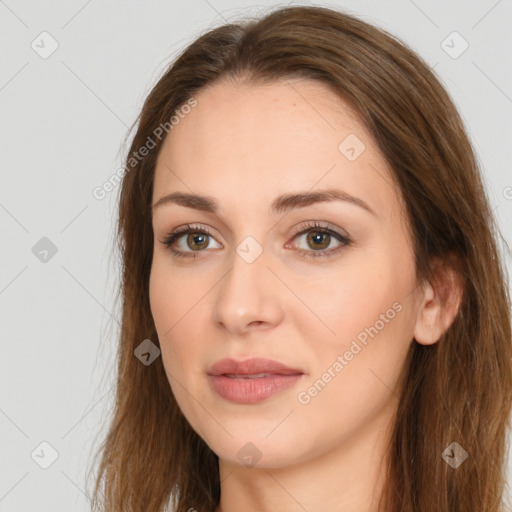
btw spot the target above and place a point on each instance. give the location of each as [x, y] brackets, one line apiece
[457, 390]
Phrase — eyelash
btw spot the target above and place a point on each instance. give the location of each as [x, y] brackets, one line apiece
[303, 229]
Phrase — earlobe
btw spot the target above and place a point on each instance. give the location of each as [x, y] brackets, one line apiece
[439, 304]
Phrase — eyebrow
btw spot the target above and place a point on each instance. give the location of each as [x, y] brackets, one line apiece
[281, 204]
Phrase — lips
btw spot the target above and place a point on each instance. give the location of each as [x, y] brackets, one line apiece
[251, 368]
[253, 380]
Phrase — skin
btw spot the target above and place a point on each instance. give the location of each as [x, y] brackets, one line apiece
[244, 145]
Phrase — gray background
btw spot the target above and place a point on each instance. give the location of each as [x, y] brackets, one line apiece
[62, 122]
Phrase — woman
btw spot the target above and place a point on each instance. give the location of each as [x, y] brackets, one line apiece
[315, 315]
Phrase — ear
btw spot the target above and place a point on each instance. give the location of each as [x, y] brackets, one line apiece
[439, 302]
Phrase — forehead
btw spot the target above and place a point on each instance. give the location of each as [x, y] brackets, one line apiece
[254, 142]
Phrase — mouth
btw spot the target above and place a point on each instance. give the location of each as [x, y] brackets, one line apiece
[248, 376]
[252, 380]
[251, 367]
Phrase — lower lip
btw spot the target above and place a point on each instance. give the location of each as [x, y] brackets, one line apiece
[249, 391]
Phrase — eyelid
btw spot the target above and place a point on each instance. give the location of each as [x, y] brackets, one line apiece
[175, 234]
[320, 225]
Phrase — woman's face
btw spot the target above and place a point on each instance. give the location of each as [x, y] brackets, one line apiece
[325, 287]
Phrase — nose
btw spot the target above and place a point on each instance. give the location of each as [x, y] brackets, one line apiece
[249, 297]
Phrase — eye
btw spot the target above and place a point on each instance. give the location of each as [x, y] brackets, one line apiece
[319, 238]
[197, 239]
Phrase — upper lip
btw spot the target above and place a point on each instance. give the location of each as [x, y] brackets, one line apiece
[251, 366]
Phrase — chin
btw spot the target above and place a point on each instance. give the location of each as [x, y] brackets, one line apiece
[248, 448]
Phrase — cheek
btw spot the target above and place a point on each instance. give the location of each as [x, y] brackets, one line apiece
[172, 297]
[171, 311]
[356, 375]
[365, 333]
[180, 312]
[344, 302]
[178, 330]
[355, 398]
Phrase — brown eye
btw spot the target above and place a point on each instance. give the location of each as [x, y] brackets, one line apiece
[318, 239]
[197, 240]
